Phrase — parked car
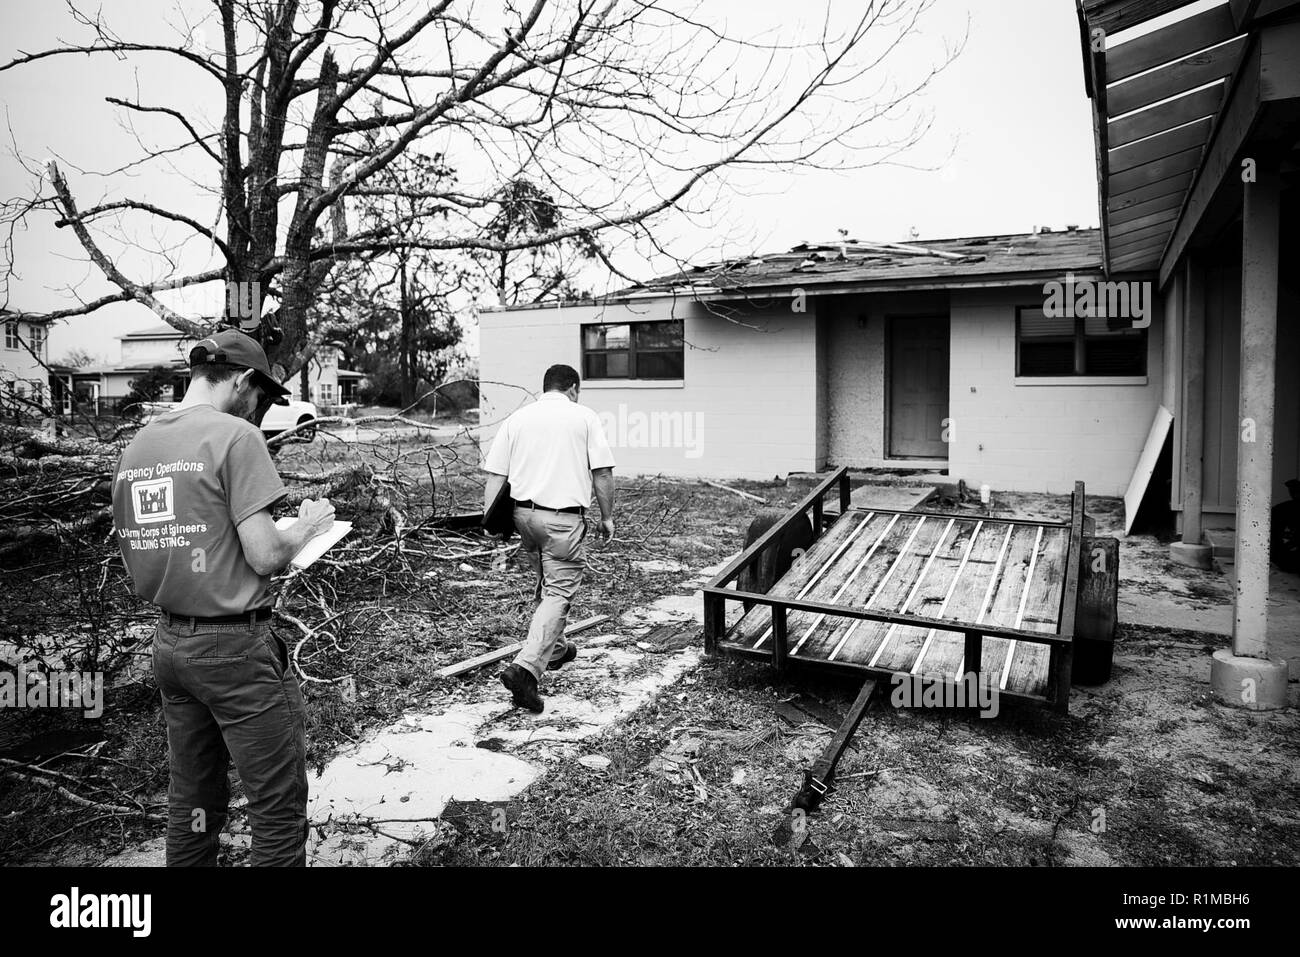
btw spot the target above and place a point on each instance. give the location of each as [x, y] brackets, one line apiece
[278, 418]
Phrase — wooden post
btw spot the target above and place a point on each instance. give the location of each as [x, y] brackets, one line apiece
[1059, 664]
[715, 617]
[845, 495]
[779, 633]
[817, 509]
[1259, 292]
[1193, 400]
[974, 656]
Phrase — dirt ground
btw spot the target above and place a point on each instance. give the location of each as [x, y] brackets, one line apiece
[1144, 770]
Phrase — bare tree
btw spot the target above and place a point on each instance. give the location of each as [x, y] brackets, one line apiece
[618, 110]
[79, 358]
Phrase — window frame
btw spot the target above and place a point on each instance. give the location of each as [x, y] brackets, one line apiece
[13, 334]
[1080, 339]
[37, 339]
[632, 352]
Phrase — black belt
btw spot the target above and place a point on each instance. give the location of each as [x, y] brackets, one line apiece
[571, 510]
[247, 618]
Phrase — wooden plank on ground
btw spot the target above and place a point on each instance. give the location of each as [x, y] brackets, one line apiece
[497, 654]
[898, 498]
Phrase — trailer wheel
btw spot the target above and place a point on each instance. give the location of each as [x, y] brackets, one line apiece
[775, 561]
[1097, 613]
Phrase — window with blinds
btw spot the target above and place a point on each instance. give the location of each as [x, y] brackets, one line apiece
[1049, 346]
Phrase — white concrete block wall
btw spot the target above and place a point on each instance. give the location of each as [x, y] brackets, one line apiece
[747, 407]
[1039, 438]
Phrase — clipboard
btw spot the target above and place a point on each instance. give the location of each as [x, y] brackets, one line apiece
[499, 519]
[315, 547]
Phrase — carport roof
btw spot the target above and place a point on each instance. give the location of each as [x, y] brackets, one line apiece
[1163, 76]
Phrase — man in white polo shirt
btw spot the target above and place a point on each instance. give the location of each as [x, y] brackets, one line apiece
[552, 453]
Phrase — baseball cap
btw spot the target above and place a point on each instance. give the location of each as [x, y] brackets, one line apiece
[232, 347]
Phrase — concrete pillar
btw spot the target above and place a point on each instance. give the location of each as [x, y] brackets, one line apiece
[1191, 550]
[1247, 677]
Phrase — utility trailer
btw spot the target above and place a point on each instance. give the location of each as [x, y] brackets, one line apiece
[1023, 607]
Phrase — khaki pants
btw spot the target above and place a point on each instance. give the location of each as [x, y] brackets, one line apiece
[552, 544]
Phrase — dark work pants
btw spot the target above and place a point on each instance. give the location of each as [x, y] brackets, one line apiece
[227, 693]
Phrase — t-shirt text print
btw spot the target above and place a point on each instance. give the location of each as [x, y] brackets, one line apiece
[153, 502]
[181, 489]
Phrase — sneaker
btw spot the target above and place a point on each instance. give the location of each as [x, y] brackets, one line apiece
[523, 688]
[570, 652]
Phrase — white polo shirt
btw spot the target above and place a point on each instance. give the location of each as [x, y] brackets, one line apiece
[548, 449]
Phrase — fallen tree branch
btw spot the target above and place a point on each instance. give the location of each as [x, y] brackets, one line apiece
[735, 491]
[82, 801]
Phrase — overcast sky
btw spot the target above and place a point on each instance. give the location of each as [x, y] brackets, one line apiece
[1011, 111]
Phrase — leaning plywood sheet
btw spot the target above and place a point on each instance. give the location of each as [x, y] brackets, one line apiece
[1137, 488]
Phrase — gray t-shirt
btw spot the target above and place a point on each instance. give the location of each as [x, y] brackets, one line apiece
[182, 487]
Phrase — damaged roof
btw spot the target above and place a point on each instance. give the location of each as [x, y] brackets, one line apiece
[860, 263]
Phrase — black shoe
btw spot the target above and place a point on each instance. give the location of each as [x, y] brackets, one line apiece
[570, 652]
[523, 688]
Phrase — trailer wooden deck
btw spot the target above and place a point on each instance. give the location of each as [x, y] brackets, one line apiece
[943, 598]
[945, 575]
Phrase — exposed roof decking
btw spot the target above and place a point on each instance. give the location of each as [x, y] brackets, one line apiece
[818, 265]
[858, 266]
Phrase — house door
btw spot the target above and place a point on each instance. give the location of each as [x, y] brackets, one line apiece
[918, 387]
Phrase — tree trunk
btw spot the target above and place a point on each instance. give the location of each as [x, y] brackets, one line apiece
[406, 359]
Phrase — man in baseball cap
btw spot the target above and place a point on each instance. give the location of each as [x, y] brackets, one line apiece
[192, 500]
[230, 347]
